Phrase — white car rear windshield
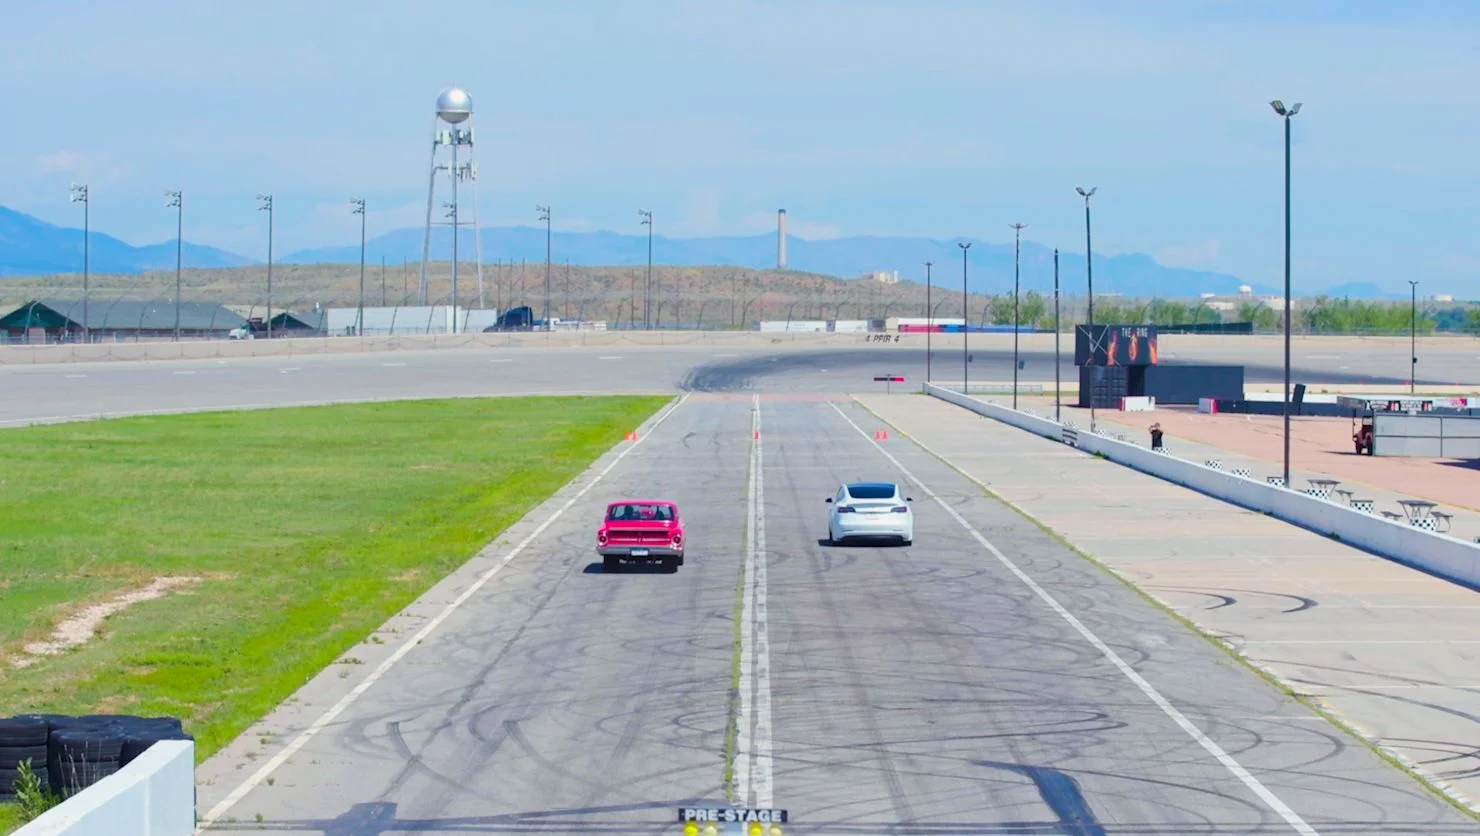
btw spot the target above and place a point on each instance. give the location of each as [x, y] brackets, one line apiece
[871, 490]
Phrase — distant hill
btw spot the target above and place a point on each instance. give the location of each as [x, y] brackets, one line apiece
[989, 269]
[30, 246]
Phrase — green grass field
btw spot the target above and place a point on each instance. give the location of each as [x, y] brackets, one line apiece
[310, 526]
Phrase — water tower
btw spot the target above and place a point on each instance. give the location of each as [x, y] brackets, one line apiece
[452, 128]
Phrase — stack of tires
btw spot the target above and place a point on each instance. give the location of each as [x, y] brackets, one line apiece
[76, 752]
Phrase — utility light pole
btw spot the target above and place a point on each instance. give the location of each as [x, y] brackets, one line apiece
[358, 208]
[1287, 114]
[1413, 336]
[545, 216]
[1089, 270]
[266, 206]
[1016, 260]
[1056, 332]
[177, 204]
[929, 320]
[965, 320]
[79, 195]
[647, 221]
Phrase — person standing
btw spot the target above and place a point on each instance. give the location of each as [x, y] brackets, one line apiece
[1156, 436]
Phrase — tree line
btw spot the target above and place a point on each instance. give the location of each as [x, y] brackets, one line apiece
[1322, 315]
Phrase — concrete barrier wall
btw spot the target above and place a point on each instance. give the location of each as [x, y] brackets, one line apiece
[154, 795]
[1440, 554]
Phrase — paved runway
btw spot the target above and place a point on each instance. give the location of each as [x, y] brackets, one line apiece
[66, 391]
[984, 681]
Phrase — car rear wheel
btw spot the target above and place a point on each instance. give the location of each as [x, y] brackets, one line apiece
[610, 563]
[670, 564]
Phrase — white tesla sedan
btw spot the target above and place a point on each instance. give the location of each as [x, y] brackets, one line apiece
[869, 511]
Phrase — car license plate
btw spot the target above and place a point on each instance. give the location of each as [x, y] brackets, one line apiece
[639, 552]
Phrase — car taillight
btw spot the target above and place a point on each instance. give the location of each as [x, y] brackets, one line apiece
[900, 509]
[677, 539]
[601, 537]
[845, 509]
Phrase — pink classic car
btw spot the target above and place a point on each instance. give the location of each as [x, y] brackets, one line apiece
[645, 530]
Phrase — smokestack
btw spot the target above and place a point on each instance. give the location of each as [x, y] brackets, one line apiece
[780, 239]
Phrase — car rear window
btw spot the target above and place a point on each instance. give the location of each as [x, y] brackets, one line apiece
[632, 511]
[871, 490]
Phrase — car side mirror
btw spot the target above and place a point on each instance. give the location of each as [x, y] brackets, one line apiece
[829, 499]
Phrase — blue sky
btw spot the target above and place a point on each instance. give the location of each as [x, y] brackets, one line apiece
[860, 117]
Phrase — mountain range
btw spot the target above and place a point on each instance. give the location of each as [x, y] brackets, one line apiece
[30, 246]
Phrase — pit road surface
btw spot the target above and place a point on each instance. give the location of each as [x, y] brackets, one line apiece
[930, 689]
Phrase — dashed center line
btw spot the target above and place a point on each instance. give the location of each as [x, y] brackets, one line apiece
[74, 375]
[392, 364]
[753, 720]
[502, 360]
[186, 372]
[610, 357]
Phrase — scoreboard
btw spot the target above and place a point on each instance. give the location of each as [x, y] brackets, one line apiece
[1115, 345]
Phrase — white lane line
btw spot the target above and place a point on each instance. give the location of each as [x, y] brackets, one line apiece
[190, 372]
[402, 364]
[511, 359]
[74, 376]
[348, 699]
[1321, 357]
[762, 741]
[736, 355]
[299, 369]
[618, 357]
[753, 720]
[1290, 816]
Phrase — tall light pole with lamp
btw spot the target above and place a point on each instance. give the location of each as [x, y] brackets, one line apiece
[545, 216]
[647, 305]
[1089, 258]
[266, 206]
[1057, 385]
[965, 320]
[174, 202]
[1016, 262]
[79, 195]
[1287, 114]
[1412, 336]
[358, 208]
[929, 320]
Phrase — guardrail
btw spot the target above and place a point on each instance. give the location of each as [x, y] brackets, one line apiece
[1439, 554]
[152, 795]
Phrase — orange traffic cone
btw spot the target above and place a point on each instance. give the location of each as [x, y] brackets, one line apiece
[631, 435]
[881, 435]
